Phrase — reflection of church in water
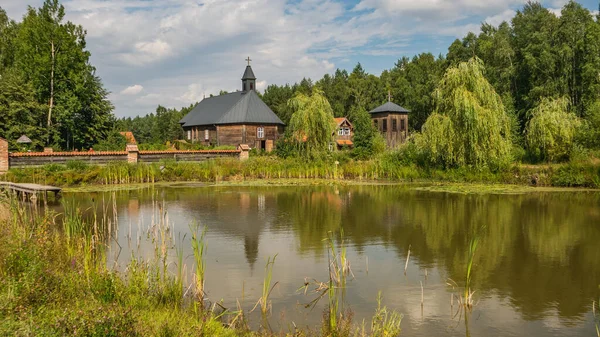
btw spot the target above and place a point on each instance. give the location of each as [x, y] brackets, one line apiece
[252, 234]
[253, 213]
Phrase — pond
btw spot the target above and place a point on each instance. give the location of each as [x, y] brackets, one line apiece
[536, 268]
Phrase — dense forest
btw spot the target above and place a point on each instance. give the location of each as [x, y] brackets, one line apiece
[48, 88]
[543, 72]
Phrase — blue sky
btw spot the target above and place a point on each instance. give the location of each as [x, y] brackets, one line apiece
[173, 52]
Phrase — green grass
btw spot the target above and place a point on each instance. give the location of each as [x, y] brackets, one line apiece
[385, 322]
[57, 285]
[383, 168]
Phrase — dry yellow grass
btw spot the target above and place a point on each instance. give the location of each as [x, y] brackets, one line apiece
[4, 210]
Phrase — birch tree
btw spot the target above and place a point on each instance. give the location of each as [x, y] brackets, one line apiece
[51, 55]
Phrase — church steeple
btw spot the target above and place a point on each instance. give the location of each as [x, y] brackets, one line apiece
[248, 80]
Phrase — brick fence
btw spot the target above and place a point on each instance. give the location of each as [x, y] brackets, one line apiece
[131, 155]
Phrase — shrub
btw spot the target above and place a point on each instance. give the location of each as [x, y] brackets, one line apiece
[570, 175]
[77, 165]
[551, 130]
[588, 134]
[114, 141]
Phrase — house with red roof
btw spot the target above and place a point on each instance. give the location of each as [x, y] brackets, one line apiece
[343, 133]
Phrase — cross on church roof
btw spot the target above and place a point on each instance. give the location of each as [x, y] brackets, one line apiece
[248, 60]
[389, 95]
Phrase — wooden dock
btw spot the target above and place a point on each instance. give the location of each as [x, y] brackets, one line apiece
[32, 191]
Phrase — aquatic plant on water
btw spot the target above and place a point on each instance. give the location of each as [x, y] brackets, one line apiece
[385, 322]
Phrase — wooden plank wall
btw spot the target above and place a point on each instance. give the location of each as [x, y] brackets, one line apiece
[392, 138]
[19, 160]
[29, 161]
[245, 134]
[198, 135]
[344, 125]
[185, 157]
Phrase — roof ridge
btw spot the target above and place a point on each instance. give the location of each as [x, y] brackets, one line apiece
[243, 97]
[260, 101]
[219, 95]
[390, 106]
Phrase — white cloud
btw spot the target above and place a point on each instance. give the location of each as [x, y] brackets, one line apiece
[195, 93]
[132, 90]
[446, 10]
[177, 51]
[261, 85]
[556, 11]
[497, 19]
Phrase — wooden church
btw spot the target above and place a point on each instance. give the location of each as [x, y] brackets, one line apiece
[239, 117]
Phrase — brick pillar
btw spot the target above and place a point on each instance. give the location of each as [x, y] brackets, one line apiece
[3, 155]
[244, 151]
[132, 153]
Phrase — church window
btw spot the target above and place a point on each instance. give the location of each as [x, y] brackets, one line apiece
[394, 124]
[189, 134]
[251, 86]
[260, 132]
[402, 125]
[384, 126]
[346, 131]
[340, 132]
[206, 134]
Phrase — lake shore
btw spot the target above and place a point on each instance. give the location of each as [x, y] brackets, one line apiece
[272, 170]
[445, 187]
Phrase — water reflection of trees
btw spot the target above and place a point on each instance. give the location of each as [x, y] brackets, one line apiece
[538, 250]
[541, 250]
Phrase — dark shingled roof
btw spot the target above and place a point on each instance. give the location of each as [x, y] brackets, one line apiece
[389, 107]
[241, 107]
[248, 74]
[24, 140]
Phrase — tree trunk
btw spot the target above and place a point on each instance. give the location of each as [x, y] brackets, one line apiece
[51, 104]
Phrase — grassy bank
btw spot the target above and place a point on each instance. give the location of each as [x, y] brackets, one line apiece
[56, 281]
[584, 174]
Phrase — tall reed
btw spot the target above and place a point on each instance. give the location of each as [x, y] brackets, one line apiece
[596, 314]
[384, 322]
[468, 294]
[265, 303]
[180, 277]
[199, 247]
[339, 271]
[73, 223]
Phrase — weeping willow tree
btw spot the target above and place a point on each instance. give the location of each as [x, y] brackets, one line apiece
[551, 130]
[312, 124]
[470, 125]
